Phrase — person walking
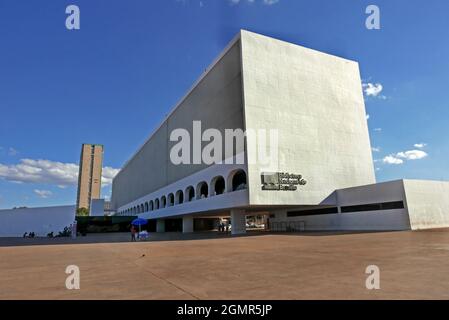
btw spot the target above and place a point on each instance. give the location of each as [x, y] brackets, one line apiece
[133, 233]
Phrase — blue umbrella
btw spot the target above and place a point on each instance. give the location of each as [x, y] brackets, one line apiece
[139, 222]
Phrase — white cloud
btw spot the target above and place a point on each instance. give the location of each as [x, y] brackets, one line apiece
[378, 129]
[412, 155]
[108, 174]
[392, 160]
[375, 149]
[420, 145]
[399, 157]
[373, 90]
[44, 194]
[367, 116]
[48, 172]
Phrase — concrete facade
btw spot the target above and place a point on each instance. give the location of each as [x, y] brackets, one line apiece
[215, 100]
[314, 102]
[387, 192]
[427, 203]
[97, 208]
[187, 224]
[41, 221]
[89, 177]
[425, 206]
[263, 83]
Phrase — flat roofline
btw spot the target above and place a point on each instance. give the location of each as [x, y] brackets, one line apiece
[46, 207]
[299, 45]
[93, 144]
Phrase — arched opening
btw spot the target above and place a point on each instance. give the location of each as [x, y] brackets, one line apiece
[202, 190]
[151, 205]
[179, 197]
[135, 210]
[146, 206]
[142, 209]
[238, 181]
[218, 185]
[156, 204]
[190, 193]
[171, 200]
[163, 201]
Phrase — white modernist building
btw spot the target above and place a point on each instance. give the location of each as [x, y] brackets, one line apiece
[322, 177]
[41, 221]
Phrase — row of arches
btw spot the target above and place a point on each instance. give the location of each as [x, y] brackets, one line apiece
[236, 181]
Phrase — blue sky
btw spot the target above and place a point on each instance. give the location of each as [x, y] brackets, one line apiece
[113, 81]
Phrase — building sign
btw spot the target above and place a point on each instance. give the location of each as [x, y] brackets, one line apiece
[281, 181]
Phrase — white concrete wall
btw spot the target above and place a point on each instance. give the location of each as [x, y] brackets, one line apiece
[368, 220]
[41, 221]
[215, 100]
[96, 208]
[428, 203]
[373, 193]
[315, 101]
[213, 202]
[391, 191]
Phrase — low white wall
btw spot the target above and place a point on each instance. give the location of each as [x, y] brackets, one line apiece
[428, 203]
[368, 220]
[41, 221]
[371, 193]
[397, 219]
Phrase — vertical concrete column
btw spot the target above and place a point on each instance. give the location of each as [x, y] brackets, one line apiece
[238, 222]
[160, 225]
[211, 190]
[187, 224]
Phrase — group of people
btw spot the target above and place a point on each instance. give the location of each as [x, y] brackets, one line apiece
[29, 235]
[223, 226]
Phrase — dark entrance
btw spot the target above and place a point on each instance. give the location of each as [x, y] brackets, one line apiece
[173, 225]
[205, 224]
[150, 226]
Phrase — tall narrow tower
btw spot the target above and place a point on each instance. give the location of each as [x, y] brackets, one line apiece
[89, 177]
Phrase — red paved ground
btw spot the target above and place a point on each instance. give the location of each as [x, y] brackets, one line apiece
[309, 266]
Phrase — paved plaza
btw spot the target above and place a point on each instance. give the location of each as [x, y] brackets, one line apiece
[413, 265]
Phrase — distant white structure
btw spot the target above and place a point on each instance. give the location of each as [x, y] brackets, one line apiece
[96, 208]
[41, 221]
[100, 208]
